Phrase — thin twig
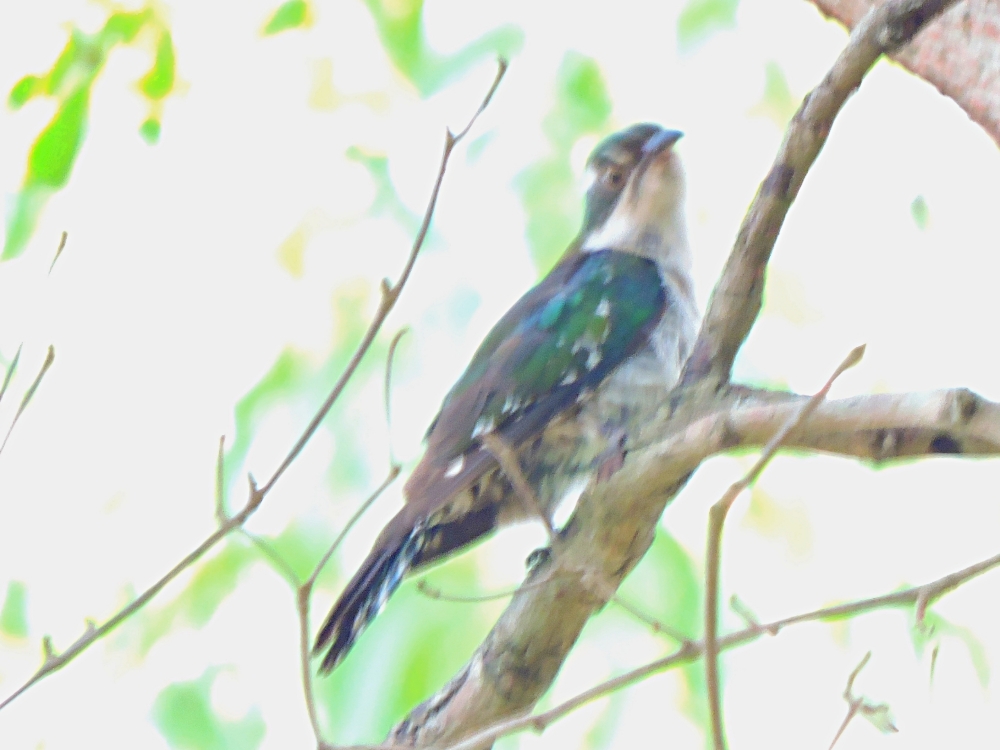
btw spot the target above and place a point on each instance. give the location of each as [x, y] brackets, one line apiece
[390, 293]
[655, 625]
[62, 245]
[511, 467]
[736, 300]
[220, 483]
[853, 704]
[690, 651]
[54, 661]
[304, 594]
[433, 592]
[389, 358]
[49, 359]
[713, 554]
[10, 371]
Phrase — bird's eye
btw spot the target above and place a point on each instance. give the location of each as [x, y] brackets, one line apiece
[613, 177]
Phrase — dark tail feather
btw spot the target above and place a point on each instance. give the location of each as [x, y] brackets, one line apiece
[363, 598]
[394, 555]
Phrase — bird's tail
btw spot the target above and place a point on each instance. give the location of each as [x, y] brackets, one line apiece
[366, 593]
[403, 546]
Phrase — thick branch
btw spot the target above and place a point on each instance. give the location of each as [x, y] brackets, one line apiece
[614, 523]
[736, 300]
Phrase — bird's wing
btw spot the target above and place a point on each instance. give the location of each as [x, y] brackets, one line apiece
[556, 344]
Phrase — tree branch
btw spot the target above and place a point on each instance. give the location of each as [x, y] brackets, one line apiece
[613, 524]
[736, 301]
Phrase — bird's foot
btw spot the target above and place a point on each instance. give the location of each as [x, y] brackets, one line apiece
[538, 558]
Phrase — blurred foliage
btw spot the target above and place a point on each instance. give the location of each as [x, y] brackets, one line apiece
[212, 582]
[400, 26]
[549, 191]
[386, 201]
[14, 613]
[920, 212]
[934, 630]
[700, 19]
[417, 643]
[778, 103]
[183, 714]
[414, 646]
[294, 14]
[70, 82]
[668, 586]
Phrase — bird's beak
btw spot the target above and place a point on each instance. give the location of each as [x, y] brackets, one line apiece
[660, 142]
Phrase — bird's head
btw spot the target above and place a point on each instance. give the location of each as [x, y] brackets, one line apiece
[635, 196]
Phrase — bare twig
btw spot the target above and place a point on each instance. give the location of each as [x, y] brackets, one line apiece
[62, 245]
[304, 594]
[54, 661]
[877, 713]
[389, 358]
[713, 554]
[49, 359]
[11, 368]
[511, 467]
[736, 300]
[655, 625]
[220, 483]
[390, 292]
[433, 592]
[690, 651]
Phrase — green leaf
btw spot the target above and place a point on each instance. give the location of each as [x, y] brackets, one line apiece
[548, 188]
[777, 103]
[301, 545]
[159, 81]
[387, 201]
[667, 585]
[23, 218]
[150, 130]
[920, 212]
[123, 27]
[413, 647]
[54, 151]
[213, 582]
[583, 104]
[183, 714]
[934, 630]
[290, 15]
[400, 25]
[14, 613]
[701, 18]
[554, 210]
[24, 90]
[78, 50]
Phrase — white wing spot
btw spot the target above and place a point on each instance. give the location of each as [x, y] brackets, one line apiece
[593, 358]
[603, 309]
[571, 377]
[455, 467]
[483, 425]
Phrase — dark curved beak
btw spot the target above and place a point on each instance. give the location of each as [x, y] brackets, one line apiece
[661, 141]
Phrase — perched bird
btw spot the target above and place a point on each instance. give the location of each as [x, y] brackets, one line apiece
[563, 378]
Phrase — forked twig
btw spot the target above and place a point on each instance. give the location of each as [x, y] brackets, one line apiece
[717, 517]
[54, 661]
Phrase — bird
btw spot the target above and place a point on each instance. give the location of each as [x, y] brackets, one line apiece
[564, 377]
